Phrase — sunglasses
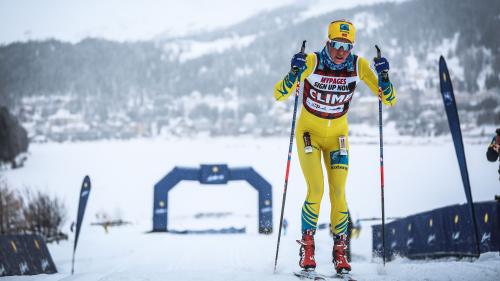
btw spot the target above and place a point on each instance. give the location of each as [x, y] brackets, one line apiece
[337, 45]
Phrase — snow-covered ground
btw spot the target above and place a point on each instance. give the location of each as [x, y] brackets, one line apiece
[420, 175]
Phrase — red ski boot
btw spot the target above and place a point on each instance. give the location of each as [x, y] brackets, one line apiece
[339, 254]
[306, 252]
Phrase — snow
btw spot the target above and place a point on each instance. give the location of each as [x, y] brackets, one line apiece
[447, 48]
[185, 50]
[421, 174]
[367, 22]
[422, 71]
[487, 70]
[413, 69]
[243, 71]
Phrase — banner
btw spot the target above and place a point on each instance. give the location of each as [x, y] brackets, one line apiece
[84, 196]
[454, 123]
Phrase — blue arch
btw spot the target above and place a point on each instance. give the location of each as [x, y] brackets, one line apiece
[213, 174]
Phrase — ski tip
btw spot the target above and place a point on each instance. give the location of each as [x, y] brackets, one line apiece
[343, 271]
[309, 274]
[344, 276]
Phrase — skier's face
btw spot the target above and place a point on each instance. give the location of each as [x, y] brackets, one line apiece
[339, 55]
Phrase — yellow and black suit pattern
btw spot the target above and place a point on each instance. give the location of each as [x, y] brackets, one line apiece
[322, 128]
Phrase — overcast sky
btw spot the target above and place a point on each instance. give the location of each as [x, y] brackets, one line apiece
[72, 20]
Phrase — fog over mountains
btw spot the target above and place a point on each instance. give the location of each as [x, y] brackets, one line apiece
[222, 82]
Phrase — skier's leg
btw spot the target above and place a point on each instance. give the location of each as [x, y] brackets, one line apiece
[337, 163]
[310, 163]
[313, 175]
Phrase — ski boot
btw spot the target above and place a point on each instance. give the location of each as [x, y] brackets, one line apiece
[306, 251]
[342, 266]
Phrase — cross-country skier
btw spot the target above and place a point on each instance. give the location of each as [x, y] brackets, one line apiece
[329, 79]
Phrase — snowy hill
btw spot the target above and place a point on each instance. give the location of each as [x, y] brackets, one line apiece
[221, 81]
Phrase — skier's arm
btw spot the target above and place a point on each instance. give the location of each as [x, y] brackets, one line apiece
[491, 154]
[368, 76]
[287, 85]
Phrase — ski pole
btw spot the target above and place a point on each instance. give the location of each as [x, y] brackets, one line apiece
[385, 78]
[297, 91]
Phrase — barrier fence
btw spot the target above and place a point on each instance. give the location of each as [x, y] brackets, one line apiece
[24, 255]
[442, 232]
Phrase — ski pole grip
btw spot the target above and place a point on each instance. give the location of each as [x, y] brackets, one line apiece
[384, 74]
[295, 70]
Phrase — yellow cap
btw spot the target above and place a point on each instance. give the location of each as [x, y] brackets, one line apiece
[342, 29]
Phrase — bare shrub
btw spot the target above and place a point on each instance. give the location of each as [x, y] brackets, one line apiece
[11, 218]
[31, 212]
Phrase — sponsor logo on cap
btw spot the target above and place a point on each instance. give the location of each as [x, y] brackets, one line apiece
[344, 27]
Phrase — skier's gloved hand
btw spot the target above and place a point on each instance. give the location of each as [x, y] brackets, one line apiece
[382, 68]
[381, 65]
[298, 64]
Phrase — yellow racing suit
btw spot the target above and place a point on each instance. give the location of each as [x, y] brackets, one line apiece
[322, 131]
